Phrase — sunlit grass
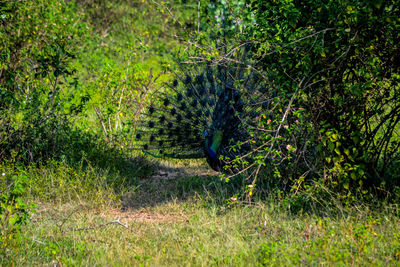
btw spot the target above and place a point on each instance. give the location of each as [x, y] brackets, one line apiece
[195, 228]
[186, 217]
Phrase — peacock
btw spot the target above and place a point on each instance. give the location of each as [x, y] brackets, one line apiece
[209, 110]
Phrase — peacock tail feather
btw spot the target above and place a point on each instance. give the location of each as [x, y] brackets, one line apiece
[204, 112]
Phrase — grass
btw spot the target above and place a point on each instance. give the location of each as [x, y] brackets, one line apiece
[175, 220]
[97, 206]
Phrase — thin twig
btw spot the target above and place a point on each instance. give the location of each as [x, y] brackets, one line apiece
[169, 11]
[117, 221]
[278, 130]
[8, 187]
[198, 16]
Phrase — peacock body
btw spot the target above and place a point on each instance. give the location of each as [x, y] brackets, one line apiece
[207, 111]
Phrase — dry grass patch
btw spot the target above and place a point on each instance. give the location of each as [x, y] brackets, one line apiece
[142, 215]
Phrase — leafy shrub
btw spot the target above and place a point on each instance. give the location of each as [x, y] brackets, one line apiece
[340, 57]
[331, 69]
[35, 65]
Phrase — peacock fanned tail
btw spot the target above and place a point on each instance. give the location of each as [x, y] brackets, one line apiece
[203, 113]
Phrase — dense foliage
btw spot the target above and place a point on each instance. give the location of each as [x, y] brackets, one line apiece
[343, 58]
[333, 67]
[36, 40]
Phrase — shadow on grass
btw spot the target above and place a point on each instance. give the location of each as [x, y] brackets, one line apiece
[59, 142]
[180, 183]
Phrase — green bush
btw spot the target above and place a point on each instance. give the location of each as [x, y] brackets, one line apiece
[35, 61]
[331, 66]
[344, 54]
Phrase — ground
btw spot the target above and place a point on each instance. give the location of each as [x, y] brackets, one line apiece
[172, 219]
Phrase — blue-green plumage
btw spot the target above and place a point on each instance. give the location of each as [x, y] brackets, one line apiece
[202, 113]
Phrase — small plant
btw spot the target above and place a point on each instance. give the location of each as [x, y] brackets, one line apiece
[267, 252]
[14, 211]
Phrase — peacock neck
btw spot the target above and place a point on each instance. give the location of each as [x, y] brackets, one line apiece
[215, 144]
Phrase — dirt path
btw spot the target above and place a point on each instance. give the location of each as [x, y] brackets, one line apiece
[165, 184]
